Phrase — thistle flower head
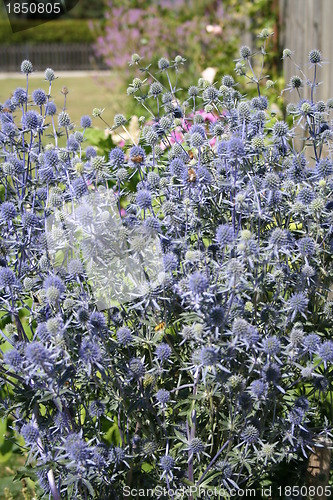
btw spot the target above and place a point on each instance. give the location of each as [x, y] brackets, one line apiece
[39, 97]
[136, 368]
[167, 463]
[163, 352]
[26, 67]
[245, 52]
[30, 433]
[250, 434]
[198, 283]
[315, 56]
[124, 336]
[162, 396]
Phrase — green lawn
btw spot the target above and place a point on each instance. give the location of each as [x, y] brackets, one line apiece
[85, 93]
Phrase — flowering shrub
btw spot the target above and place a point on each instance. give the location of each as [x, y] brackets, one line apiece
[159, 27]
[219, 370]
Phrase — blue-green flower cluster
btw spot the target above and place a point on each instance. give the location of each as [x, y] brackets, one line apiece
[219, 359]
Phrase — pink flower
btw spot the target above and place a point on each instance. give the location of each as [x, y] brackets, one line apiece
[207, 116]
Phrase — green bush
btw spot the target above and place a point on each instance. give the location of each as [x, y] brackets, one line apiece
[58, 31]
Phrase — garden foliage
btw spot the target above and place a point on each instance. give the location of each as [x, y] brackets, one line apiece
[220, 369]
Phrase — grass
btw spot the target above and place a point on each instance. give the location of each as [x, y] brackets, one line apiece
[85, 93]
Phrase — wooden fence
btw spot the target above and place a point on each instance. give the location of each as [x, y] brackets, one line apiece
[307, 25]
[58, 56]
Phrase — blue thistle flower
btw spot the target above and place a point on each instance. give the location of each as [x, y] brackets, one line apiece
[296, 416]
[100, 456]
[245, 52]
[39, 97]
[167, 463]
[143, 199]
[117, 455]
[152, 224]
[36, 353]
[271, 345]
[50, 109]
[163, 396]
[9, 130]
[280, 129]
[153, 180]
[31, 120]
[19, 96]
[13, 359]
[196, 446]
[75, 267]
[324, 168]
[76, 448]
[89, 351]
[250, 434]
[312, 342]
[42, 332]
[49, 74]
[85, 121]
[225, 235]
[170, 262]
[26, 67]
[8, 211]
[7, 277]
[258, 389]
[30, 434]
[177, 167]
[297, 303]
[80, 188]
[155, 89]
[198, 129]
[315, 56]
[193, 91]
[163, 352]
[117, 157]
[271, 372]
[236, 148]
[124, 336]
[51, 158]
[83, 315]
[325, 351]
[204, 176]
[198, 283]
[137, 155]
[306, 246]
[208, 356]
[61, 421]
[72, 144]
[137, 369]
[216, 316]
[54, 281]
[163, 63]
[91, 152]
[97, 322]
[197, 140]
[296, 171]
[46, 175]
[306, 196]
[64, 119]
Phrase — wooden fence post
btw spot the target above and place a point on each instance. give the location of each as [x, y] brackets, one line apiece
[307, 25]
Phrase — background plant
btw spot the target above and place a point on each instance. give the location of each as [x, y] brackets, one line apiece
[219, 375]
[209, 33]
